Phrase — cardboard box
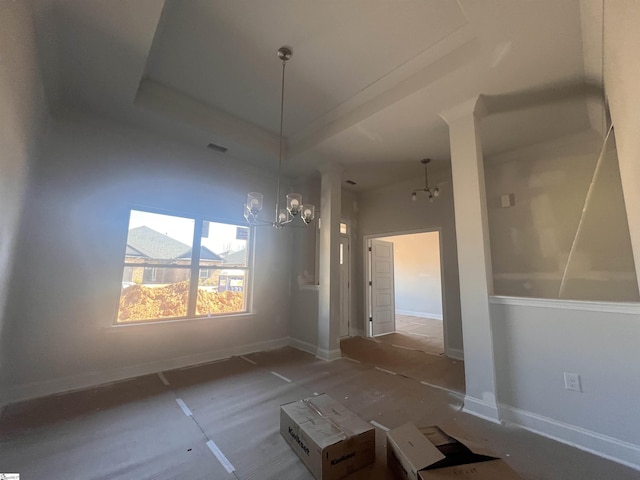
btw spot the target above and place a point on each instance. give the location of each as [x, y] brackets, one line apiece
[431, 454]
[331, 440]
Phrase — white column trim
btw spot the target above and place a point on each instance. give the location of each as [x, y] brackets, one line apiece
[474, 256]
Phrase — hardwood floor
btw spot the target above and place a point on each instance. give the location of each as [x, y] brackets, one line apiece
[416, 333]
[221, 420]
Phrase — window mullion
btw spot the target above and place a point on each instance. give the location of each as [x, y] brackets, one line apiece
[195, 268]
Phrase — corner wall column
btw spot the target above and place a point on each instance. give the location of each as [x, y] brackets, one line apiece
[474, 257]
[329, 295]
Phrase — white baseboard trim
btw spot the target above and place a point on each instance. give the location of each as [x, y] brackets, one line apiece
[356, 332]
[480, 408]
[329, 355]
[304, 346]
[456, 353]
[605, 446]
[87, 380]
[435, 316]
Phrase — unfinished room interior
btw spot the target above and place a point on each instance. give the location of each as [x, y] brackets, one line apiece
[199, 226]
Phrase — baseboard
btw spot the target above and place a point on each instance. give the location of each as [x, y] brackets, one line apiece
[304, 346]
[456, 353]
[87, 380]
[480, 408]
[435, 316]
[329, 355]
[611, 448]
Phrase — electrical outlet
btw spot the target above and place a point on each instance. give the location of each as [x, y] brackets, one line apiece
[572, 381]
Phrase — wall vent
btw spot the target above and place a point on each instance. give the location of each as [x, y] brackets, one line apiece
[217, 148]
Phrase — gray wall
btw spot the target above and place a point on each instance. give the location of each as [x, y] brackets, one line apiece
[418, 286]
[304, 247]
[536, 341]
[22, 118]
[622, 74]
[304, 307]
[59, 331]
[389, 210]
[530, 242]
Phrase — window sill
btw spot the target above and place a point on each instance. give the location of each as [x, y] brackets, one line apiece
[173, 323]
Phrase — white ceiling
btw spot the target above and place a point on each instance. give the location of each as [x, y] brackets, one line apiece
[364, 88]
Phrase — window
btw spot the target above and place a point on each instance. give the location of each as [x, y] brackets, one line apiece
[182, 267]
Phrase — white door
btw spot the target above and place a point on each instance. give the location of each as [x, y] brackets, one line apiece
[383, 318]
[344, 286]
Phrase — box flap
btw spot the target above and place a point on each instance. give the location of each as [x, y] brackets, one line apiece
[459, 435]
[419, 451]
[436, 436]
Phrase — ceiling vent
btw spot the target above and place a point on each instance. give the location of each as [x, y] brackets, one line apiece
[217, 148]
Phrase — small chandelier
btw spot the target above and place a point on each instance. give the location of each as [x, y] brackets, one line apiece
[295, 208]
[431, 192]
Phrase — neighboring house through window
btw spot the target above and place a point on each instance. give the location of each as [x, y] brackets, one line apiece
[183, 267]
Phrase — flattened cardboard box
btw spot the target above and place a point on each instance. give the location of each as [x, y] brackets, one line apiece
[431, 454]
[331, 440]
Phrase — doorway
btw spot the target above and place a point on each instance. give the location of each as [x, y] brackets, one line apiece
[404, 290]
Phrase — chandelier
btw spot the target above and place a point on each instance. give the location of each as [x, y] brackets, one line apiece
[294, 206]
[431, 192]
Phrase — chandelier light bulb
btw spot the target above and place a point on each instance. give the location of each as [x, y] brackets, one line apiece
[294, 201]
[308, 213]
[254, 202]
